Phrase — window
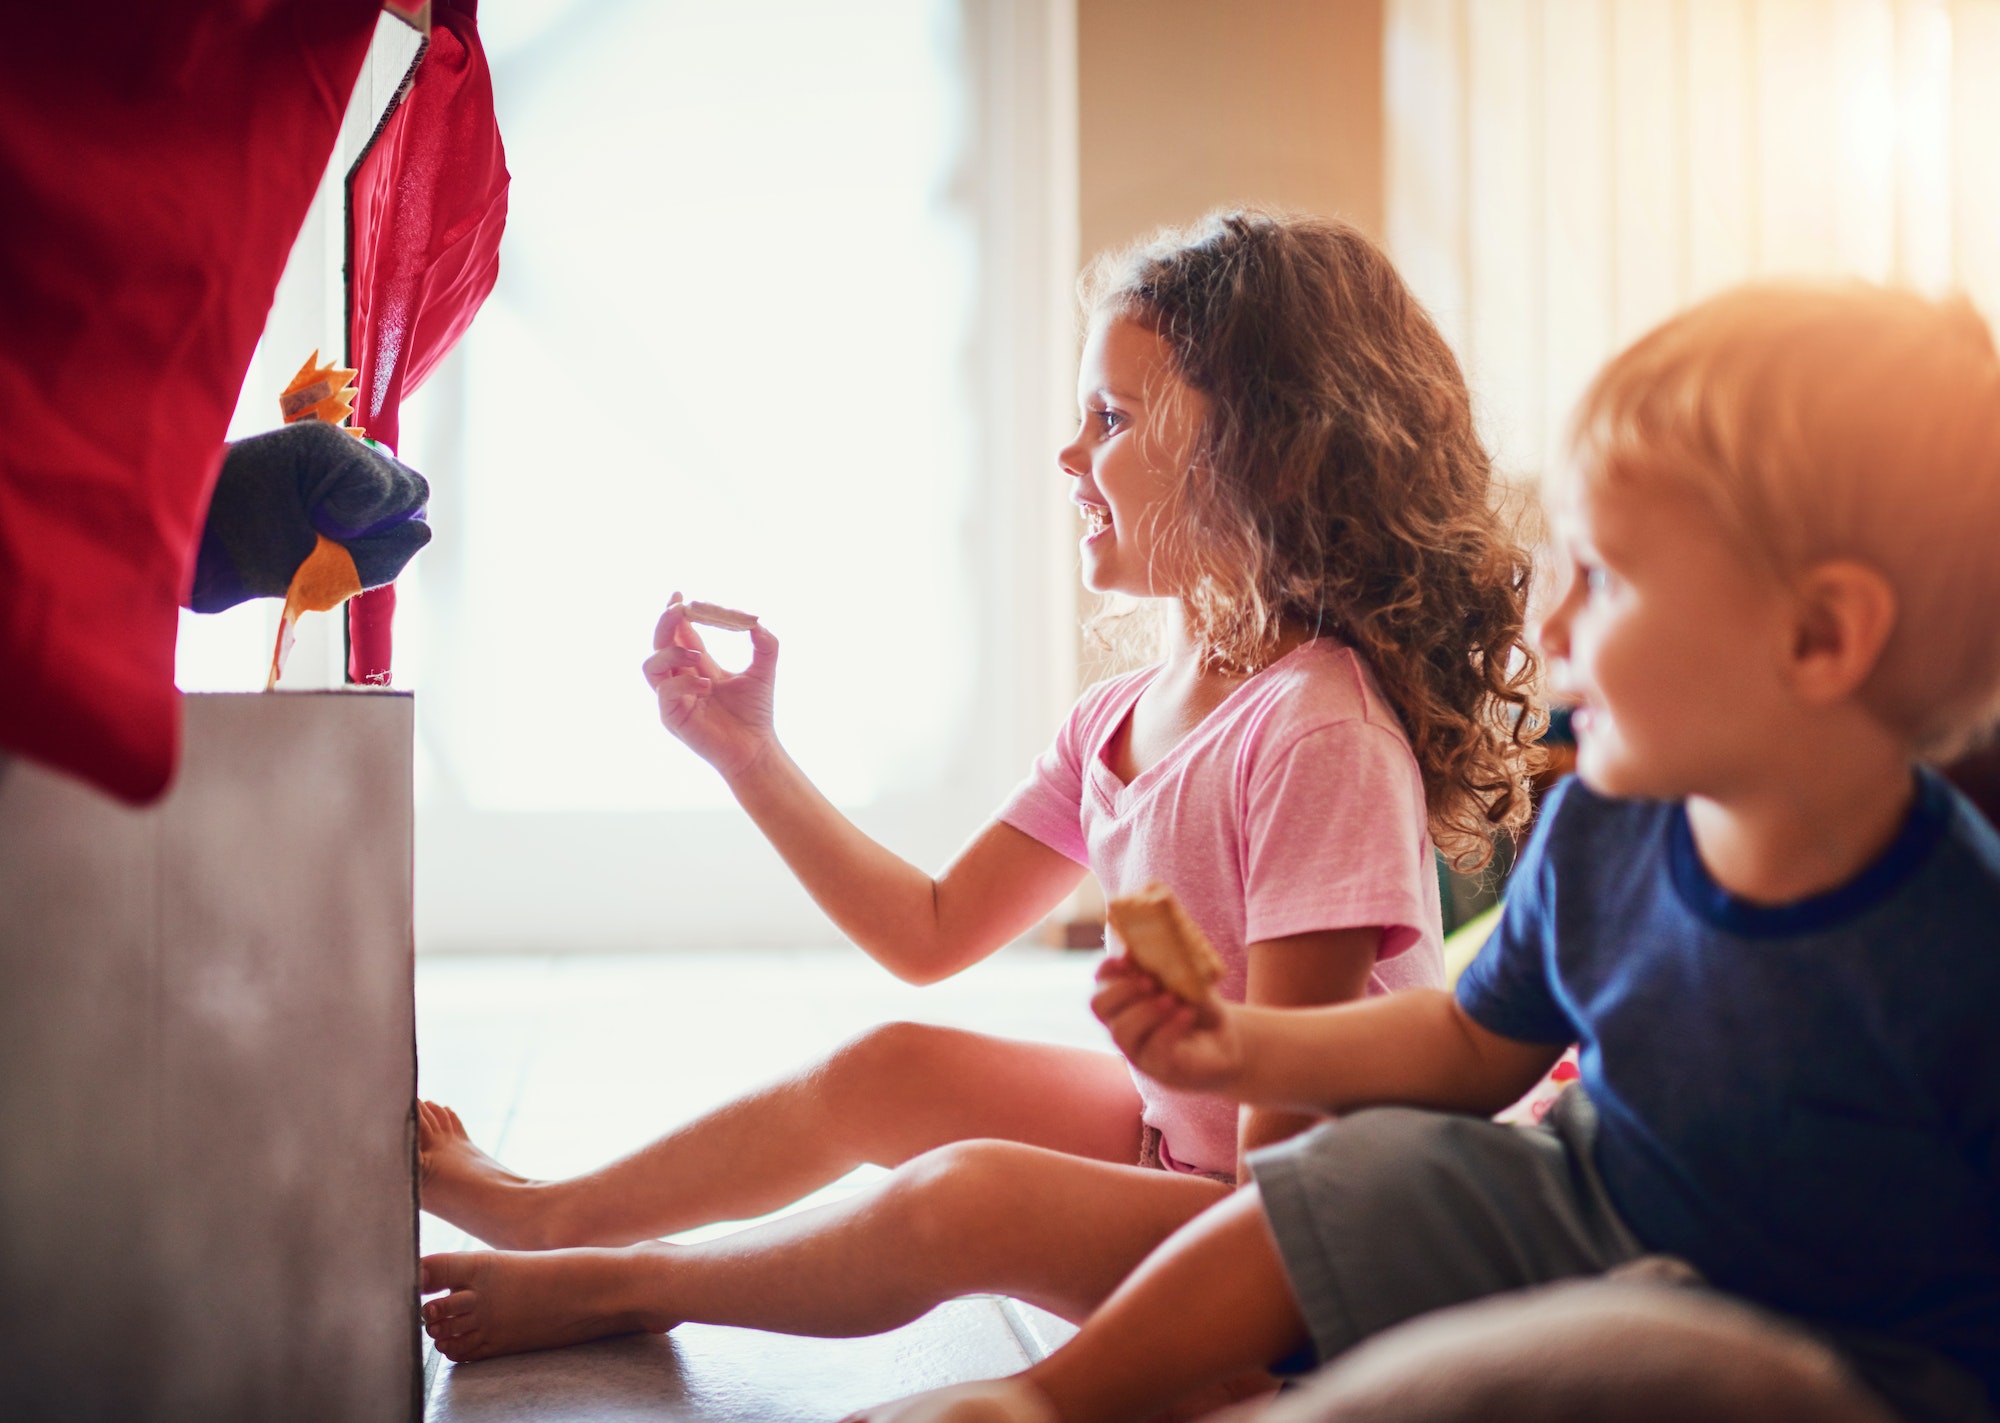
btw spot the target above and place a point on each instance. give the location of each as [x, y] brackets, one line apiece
[755, 313]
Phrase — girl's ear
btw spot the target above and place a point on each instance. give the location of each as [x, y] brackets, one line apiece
[1845, 613]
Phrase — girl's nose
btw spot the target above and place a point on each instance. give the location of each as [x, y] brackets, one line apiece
[1069, 459]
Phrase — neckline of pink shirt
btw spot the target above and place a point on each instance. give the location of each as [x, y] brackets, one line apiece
[1122, 790]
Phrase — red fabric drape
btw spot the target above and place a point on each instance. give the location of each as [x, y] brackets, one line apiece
[427, 205]
[156, 161]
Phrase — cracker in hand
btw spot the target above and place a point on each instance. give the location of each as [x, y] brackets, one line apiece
[1163, 940]
[716, 616]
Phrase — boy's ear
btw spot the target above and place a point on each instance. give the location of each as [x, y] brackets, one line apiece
[1845, 612]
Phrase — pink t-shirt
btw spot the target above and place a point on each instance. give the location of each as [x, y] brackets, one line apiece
[1295, 806]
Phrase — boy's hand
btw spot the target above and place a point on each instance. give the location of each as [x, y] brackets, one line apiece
[723, 717]
[1195, 1046]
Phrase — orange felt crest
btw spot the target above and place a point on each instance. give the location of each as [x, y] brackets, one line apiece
[323, 582]
[320, 392]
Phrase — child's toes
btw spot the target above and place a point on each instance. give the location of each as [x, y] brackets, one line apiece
[460, 1348]
[451, 1306]
[448, 1270]
[446, 1330]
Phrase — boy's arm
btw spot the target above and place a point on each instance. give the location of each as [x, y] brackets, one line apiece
[1297, 971]
[1416, 1048]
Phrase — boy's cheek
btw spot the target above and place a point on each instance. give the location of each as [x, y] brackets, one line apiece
[1604, 759]
[1606, 772]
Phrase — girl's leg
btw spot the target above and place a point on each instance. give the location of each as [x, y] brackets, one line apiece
[1050, 1228]
[883, 1098]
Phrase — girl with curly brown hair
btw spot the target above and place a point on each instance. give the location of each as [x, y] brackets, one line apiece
[1277, 449]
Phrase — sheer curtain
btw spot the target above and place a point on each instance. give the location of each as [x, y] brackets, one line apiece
[1564, 173]
[758, 292]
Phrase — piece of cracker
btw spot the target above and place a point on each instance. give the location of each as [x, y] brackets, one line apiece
[1163, 940]
[715, 616]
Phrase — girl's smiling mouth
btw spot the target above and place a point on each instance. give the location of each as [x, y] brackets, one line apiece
[1096, 519]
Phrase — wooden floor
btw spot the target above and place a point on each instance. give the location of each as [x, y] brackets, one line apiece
[558, 1063]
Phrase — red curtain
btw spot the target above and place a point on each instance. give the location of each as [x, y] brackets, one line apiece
[156, 161]
[427, 204]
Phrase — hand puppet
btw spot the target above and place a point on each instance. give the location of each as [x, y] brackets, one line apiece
[312, 513]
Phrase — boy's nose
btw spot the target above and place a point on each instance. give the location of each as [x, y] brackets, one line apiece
[1550, 631]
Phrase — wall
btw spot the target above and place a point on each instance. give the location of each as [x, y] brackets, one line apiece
[1563, 174]
[1187, 104]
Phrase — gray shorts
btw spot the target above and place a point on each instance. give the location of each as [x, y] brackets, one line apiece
[1394, 1212]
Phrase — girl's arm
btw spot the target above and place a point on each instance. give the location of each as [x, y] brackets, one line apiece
[1301, 970]
[1417, 1048]
[918, 927]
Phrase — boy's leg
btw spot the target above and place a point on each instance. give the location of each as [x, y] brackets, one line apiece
[1208, 1306]
[1588, 1350]
[884, 1098]
[1051, 1228]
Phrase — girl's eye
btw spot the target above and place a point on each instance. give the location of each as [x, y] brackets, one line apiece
[1109, 420]
[1595, 580]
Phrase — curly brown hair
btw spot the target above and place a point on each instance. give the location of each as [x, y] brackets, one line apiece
[1337, 486]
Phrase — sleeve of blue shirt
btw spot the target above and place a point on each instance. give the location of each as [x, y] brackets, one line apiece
[1506, 989]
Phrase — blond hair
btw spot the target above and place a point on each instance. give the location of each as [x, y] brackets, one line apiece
[1836, 422]
[1337, 486]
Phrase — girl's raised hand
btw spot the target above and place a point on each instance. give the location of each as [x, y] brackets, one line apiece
[723, 717]
[1195, 1046]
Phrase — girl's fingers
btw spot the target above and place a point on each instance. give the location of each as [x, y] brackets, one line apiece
[667, 661]
[679, 696]
[763, 652]
[674, 618]
[689, 640]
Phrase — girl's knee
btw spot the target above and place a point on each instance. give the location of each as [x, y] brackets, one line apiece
[942, 1195]
[888, 1052]
[888, 1093]
[858, 1074]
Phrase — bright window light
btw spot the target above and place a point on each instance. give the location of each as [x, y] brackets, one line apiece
[727, 354]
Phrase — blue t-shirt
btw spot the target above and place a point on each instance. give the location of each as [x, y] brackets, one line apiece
[1802, 1101]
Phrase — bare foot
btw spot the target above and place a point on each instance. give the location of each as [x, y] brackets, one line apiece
[462, 1184]
[504, 1302]
[1012, 1400]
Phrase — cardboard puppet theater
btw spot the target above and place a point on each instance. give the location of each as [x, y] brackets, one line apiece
[156, 164]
